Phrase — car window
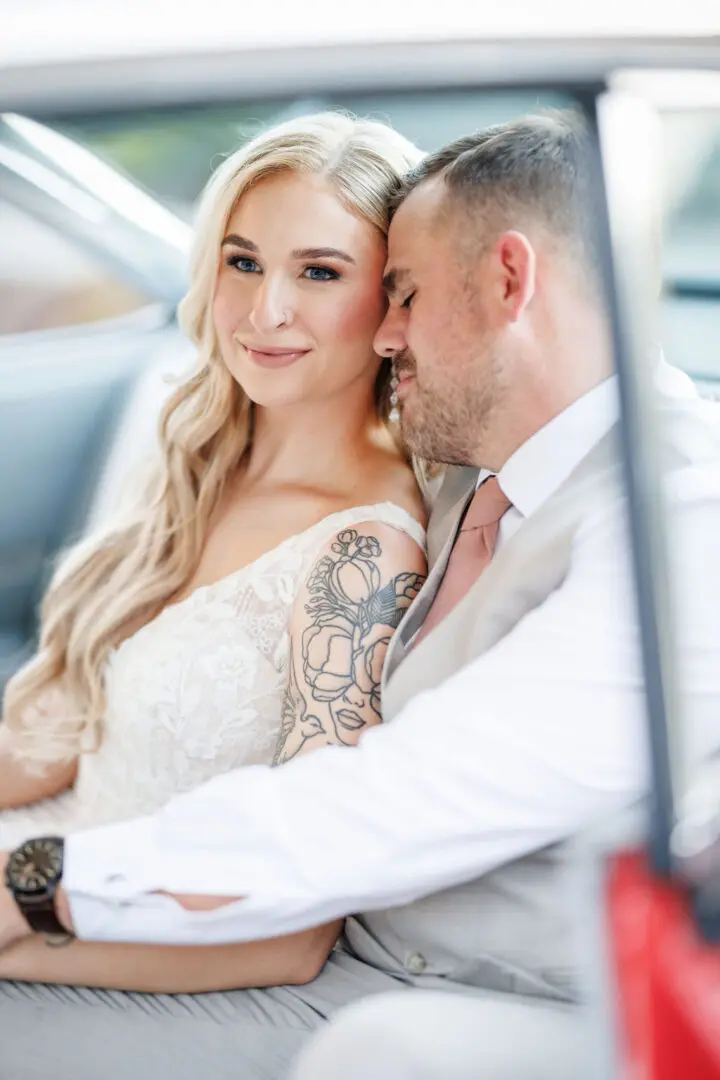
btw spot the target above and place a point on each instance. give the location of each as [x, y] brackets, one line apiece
[47, 281]
[692, 194]
[690, 316]
[174, 151]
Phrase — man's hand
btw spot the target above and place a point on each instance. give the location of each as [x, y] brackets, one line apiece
[13, 926]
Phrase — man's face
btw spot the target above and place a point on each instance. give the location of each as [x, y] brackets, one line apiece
[442, 327]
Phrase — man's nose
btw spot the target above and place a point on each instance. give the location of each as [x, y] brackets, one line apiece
[272, 307]
[390, 338]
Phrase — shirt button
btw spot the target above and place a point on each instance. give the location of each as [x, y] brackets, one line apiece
[415, 963]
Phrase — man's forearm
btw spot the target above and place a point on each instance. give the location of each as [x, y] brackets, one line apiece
[15, 928]
[190, 903]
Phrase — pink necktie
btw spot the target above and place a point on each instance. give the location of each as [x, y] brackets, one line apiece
[471, 553]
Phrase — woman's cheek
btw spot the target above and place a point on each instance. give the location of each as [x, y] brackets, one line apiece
[358, 317]
[222, 311]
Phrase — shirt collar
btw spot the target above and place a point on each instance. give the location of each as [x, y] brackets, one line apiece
[537, 468]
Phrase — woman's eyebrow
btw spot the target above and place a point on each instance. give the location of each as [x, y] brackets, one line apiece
[241, 241]
[298, 253]
[322, 253]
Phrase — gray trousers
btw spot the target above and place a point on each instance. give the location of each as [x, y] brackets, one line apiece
[429, 1035]
[62, 1033]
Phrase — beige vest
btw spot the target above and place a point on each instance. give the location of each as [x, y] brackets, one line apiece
[510, 930]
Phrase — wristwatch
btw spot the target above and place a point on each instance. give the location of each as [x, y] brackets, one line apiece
[32, 874]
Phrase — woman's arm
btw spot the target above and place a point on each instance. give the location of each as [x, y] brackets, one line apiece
[168, 969]
[343, 621]
[18, 786]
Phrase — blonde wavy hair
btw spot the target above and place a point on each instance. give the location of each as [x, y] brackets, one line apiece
[108, 586]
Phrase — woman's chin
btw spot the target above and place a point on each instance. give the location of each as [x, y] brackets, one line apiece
[276, 397]
[268, 389]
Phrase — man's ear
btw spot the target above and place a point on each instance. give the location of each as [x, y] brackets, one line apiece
[515, 262]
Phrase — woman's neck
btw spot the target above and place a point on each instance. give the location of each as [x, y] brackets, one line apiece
[320, 445]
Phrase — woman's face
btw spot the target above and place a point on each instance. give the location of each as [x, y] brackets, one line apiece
[299, 293]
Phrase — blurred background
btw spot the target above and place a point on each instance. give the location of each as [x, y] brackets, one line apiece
[170, 152]
[112, 119]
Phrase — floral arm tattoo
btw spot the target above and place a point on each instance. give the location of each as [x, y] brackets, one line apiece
[352, 617]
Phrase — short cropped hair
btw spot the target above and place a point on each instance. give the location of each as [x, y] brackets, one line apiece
[538, 168]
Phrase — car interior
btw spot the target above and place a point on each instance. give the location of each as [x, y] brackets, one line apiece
[96, 215]
[97, 195]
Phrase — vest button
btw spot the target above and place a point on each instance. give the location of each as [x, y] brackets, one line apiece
[415, 963]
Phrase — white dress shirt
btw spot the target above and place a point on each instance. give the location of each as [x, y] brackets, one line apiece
[538, 468]
[541, 735]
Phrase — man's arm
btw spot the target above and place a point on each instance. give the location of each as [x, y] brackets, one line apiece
[523, 747]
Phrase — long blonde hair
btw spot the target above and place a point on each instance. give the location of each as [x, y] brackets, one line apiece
[108, 586]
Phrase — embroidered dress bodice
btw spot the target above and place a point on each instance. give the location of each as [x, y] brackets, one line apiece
[197, 691]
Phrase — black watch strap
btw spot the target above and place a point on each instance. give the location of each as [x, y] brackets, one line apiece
[41, 916]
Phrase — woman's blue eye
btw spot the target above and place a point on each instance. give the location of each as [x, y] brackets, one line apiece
[320, 273]
[244, 264]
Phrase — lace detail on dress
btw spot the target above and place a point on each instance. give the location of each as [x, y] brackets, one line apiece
[197, 691]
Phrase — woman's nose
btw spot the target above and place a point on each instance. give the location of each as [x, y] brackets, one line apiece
[273, 305]
[390, 338]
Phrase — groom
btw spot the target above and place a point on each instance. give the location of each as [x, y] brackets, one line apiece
[513, 695]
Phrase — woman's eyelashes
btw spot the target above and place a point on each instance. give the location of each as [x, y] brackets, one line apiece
[320, 273]
[407, 302]
[243, 263]
[246, 265]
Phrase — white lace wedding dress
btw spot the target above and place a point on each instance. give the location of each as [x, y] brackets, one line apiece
[195, 692]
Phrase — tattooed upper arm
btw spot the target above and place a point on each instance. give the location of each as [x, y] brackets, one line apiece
[352, 602]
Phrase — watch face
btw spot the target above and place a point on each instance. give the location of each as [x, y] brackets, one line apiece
[35, 865]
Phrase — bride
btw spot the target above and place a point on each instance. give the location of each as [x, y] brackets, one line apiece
[241, 613]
